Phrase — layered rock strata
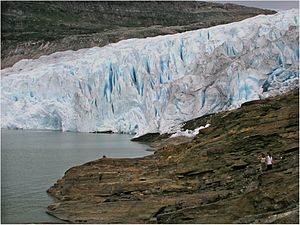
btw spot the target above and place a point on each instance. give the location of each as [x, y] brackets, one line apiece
[212, 178]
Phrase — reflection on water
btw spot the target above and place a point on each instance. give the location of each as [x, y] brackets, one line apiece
[32, 161]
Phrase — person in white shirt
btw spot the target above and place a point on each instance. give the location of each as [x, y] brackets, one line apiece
[269, 160]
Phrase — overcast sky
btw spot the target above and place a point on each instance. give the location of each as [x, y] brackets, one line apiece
[276, 5]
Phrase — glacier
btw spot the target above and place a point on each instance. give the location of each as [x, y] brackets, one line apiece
[154, 84]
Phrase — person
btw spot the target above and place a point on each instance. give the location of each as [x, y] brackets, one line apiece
[262, 159]
[269, 160]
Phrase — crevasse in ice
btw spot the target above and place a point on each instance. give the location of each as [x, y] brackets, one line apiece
[154, 84]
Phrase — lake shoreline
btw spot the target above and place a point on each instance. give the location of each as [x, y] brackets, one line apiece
[196, 179]
[32, 160]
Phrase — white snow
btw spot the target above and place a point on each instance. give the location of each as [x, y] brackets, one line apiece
[154, 84]
[189, 133]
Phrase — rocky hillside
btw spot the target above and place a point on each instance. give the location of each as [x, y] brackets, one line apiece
[212, 178]
[32, 29]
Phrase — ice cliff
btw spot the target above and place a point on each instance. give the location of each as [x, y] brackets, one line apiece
[153, 84]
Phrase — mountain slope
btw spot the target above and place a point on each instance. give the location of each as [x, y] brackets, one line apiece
[32, 29]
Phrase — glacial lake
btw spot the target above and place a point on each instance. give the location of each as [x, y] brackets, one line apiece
[32, 161]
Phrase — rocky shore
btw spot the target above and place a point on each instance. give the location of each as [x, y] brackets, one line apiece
[211, 178]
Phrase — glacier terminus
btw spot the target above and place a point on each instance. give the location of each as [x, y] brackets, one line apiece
[154, 84]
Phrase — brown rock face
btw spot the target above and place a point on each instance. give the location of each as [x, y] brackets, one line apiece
[213, 178]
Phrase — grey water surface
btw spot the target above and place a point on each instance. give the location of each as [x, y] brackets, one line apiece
[32, 161]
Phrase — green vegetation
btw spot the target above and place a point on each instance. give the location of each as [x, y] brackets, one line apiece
[28, 26]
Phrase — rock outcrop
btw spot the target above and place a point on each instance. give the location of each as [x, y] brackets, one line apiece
[32, 29]
[212, 178]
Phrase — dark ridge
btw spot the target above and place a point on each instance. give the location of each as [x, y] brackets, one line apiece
[102, 132]
[31, 29]
[146, 137]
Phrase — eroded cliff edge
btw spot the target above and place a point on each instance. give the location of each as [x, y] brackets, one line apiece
[212, 178]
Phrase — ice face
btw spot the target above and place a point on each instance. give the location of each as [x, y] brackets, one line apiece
[154, 84]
